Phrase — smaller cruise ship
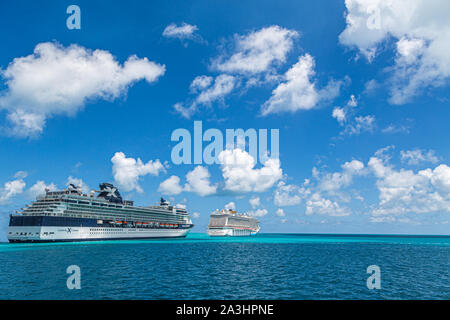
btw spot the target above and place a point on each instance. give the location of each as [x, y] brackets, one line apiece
[229, 223]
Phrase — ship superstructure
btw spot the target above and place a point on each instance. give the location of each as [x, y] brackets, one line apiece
[230, 223]
[71, 215]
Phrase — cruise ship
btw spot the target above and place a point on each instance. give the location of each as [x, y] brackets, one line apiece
[70, 215]
[230, 223]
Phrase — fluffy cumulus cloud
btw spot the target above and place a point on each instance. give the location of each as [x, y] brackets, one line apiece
[418, 156]
[421, 31]
[241, 176]
[171, 186]
[280, 212]
[339, 114]
[11, 189]
[254, 58]
[359, 125]
[57, 80]
[39, 188]
[289, 194]
[299, 90]
[127, 171]
[257, 212]
[255, 202]
[182, 31]
[257, 51]
[332, 182]
[197, 181]
[324, 193]
[200, 83]
[405, 191]
[207, 93]
[317, 204]
[223, 84]
[400, 191]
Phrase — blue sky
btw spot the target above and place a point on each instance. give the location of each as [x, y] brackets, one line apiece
[361, 100]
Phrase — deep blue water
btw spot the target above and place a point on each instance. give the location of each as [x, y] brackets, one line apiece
[266, 266]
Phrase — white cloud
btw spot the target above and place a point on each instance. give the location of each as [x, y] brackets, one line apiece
[421, 30]
[240, 175]
[381, 219]
[196, 215]
[298, 91]
[324, 194]
[230, 206]
[409, 49]
[21, 175]
[200, 83]
[255, 202]
[332, 182]
[78, 183]
[57, 80]
[11, 189]
[397, 128]
[404, 191]
[185, 112]
[38, 189]
[198, 182]
[257, 212]
[258, 51]
[223, 85]
[339, 114]
[371, 86]
[352, 102]
[171, 186]
[317, 204]
[361, 124]
[288, 194]
[417, 156]
[280, 212]
[400, 191]
[127, 171]
[184, 31]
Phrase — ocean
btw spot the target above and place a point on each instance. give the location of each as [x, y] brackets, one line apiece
[265, 266]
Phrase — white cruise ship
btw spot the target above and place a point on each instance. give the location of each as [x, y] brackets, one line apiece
[230, 223]
[70, 215]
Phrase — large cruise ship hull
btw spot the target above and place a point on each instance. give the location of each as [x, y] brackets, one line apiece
[66, 234]
[229, 232]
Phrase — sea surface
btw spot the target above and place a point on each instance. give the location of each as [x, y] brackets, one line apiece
[265, 266]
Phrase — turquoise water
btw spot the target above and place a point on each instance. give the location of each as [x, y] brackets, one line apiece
[266, 266]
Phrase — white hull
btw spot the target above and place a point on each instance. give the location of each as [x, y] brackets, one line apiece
[229, 232]
[56, 234]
